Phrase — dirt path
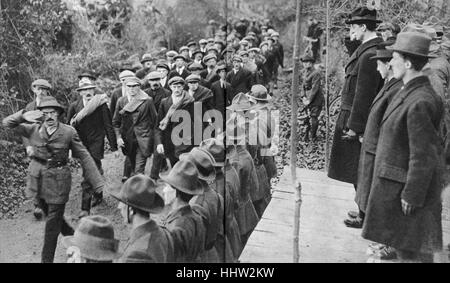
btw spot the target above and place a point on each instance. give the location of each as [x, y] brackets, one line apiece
[21, 238]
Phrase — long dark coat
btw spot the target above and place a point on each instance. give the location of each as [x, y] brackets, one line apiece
[240, 82]
[362, 83]
[93, 128]
[157, 95]
[149, 243]
[408, 165]
[371, 135]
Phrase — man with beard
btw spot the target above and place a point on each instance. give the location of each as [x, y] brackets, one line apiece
[91, 118]
[180, 101]
[360, 88]
[134, 123]
[49, 176]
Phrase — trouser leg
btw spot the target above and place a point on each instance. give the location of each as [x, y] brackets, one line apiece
[86, 195]
[141, 161]
[53, 227]
[157, 165]
[127, 168]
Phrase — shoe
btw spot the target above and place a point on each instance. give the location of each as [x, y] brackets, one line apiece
[354, 222]
[83, 214]
[353, 214]
[38, 213]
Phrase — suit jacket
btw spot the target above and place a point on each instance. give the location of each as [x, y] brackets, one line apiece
[174, 73]
[187, 230]
[312, 84]
[408, 165]
[157, 95]
[53, 184]
[362, 83]
[240, 82]
[149, 243]
[211, 78]
[137, 126]
[222, 97]
[370, 141]
[93, 129]
[115, 95]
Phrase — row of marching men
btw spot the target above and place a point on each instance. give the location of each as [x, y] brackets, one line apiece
[203, 209]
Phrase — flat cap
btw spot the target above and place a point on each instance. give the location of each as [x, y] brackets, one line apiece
[176, 80]
[254, 49]
[171, 53]
[126, 74]
[163, 65]
[147, 57]
[221, 67]
[154, 76]
[237, 59]
[191, 43]
[193, 78]
[203, 41]
[183, 48]
[195, 67]
[132, 81]
[209, 57]
[179, 56]
[42, 83]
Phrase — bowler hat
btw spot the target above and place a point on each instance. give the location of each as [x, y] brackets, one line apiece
[184, 177]
[209, 57]
[146, 58]
[363, 15]
[139, 192]
[193, 78]
[204, 161]
[50, 102]
[307, 58]
[88, 74]
[85, 84]
[154, 76]
[163, 65]
[240, 103]
[171, 53]
[94, 237]
[412, 43]
[176, 80]
[259, 92]
[216, 149]
[42, 83]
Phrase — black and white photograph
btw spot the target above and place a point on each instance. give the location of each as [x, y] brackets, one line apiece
[224, 132]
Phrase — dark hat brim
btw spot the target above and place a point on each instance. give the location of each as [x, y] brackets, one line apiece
[380, 57]
[395, 49]
[358, 20]
[208, 178]
[178, 186]
[86, 87]
[89, 253]
[156, 208]
[58, 107]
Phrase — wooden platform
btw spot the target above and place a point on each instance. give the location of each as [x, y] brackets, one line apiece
[323, 236]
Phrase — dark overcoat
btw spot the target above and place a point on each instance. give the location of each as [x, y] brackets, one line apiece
[93, 128]
[240, 81]
[370, 140]
[362, 83]
[158, 95]
[149, 243]
[408, 166]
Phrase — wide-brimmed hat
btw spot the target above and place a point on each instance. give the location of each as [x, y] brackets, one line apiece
[146, 58]
[307, 58]
[259, 93]
[139, 192]
[88, 74]
[154, 76]
[86, 84]
[240, 102]
[204, 161]
[209, 57]
[176, 80]
[50, 102]
[184, 177]
[41, 83]
[193, 78]
[216, 149]
[94, 237]
[195, 67]
[412, 43]
[363, 15]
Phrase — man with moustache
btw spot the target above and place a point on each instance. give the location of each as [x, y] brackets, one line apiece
[49, 176]
[210, 74]
[360, 88]
[91, 118]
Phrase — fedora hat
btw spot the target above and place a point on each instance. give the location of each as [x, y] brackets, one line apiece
[41, 83]
[240, 102]
[94, 237]
[259, 93]
[86, 84]
[216, 149]
[204, 161]
[412, 43]
[50, 102]
[363, 15]
[140, 192]
[184, 177]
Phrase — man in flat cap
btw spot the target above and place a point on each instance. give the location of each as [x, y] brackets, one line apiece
[404, 206]
[185, 52]
[180, 68]
[239, 78]
[192, 45]
[360, 88]
[170, 55]
[147, 66]
[134, 123]
[148, 243]
[164, 70]
[210, 74]
[197, 56]
[222, 91]
[202, 45]
[49, 176]
[92, 120]
[179, 100]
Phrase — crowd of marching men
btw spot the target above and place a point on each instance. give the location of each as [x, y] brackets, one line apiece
[202, 199]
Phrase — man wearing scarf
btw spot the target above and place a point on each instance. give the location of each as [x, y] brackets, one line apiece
[134, 123]
[178, 101]
[91, 119]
